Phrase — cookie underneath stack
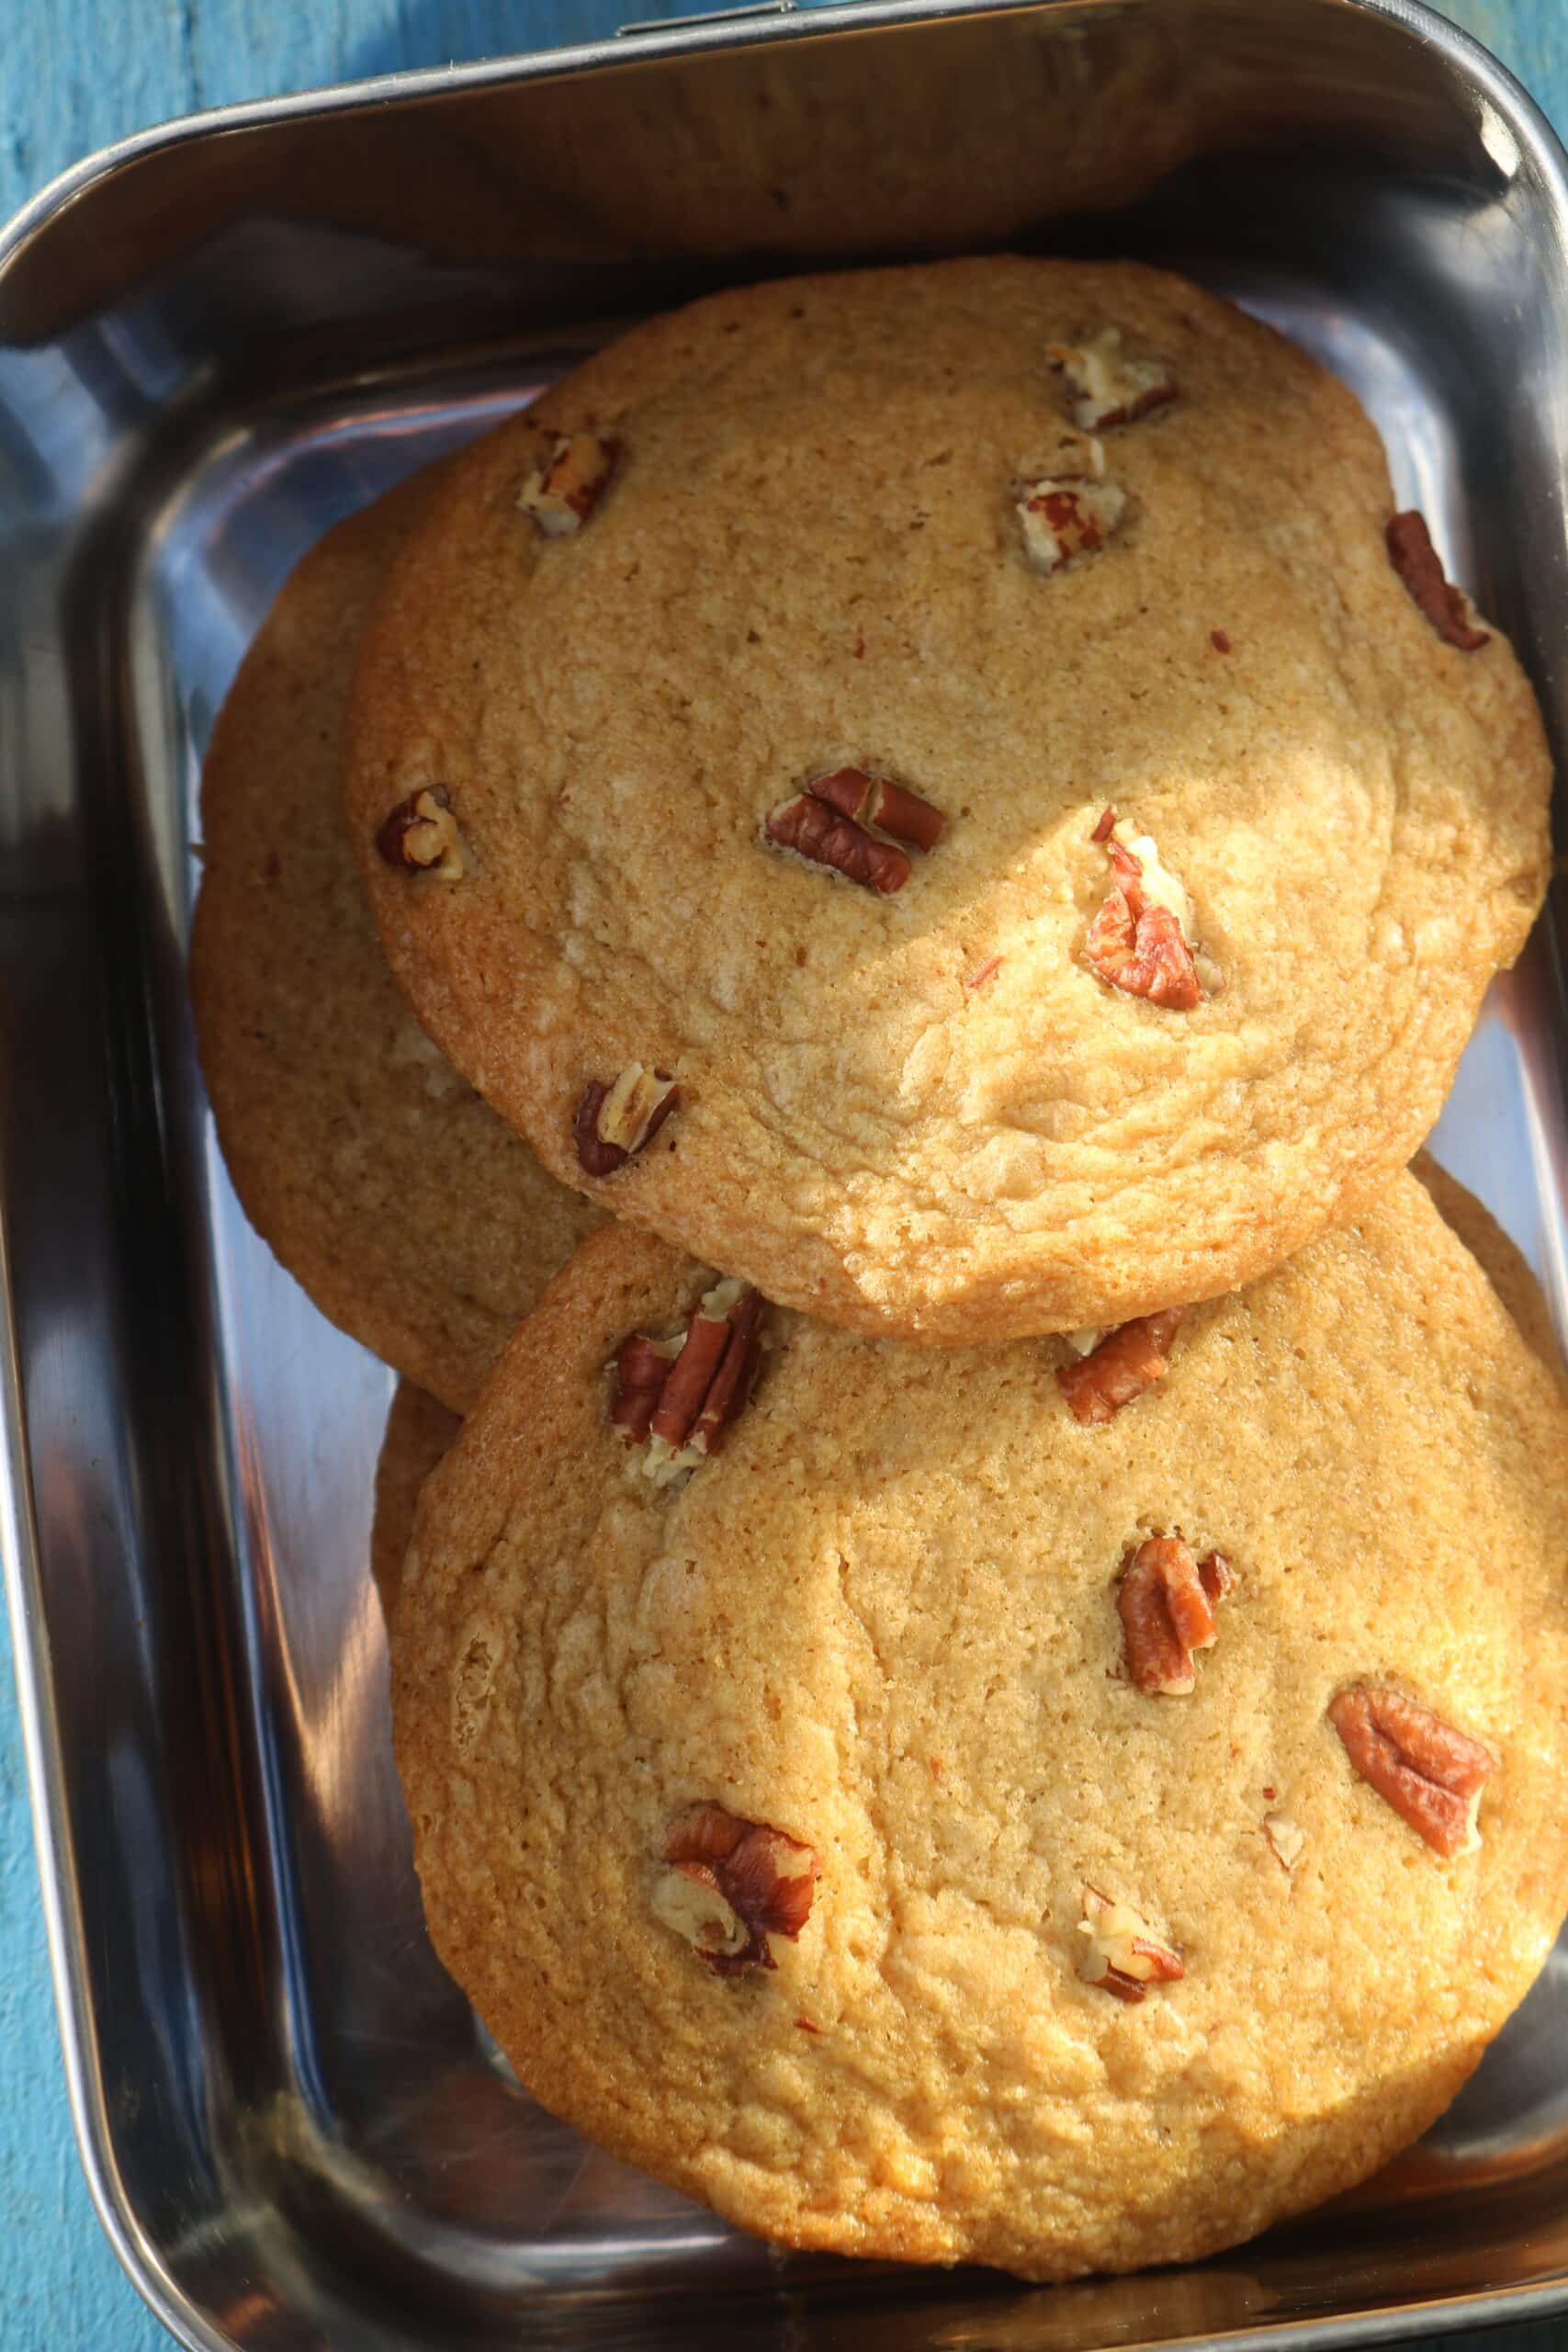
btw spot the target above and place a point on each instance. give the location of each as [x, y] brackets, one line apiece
[414, 1217]
[948, 792]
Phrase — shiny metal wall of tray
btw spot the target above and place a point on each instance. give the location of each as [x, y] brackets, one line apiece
[215, 340]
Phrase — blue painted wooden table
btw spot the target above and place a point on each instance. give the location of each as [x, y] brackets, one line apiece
[73, 76]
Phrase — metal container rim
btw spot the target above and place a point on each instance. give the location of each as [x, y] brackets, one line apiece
[1470, 63]
[728, 30]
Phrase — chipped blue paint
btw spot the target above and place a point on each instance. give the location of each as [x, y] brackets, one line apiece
[73, 76]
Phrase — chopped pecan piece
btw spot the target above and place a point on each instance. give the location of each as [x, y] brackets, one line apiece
[1413, 556]
[422, 835]
[1063, 518]
[562, 494]
[731, 1385]
[682, 1394]
[703, 1351]
[613, 1121]
[642, 1367]
[686, 1898]
[1140, 941]
[1104, 387]
[1431, 1774]
[1126, 1362]
[1124, 1955]
[1167, 1614]
[1216, 1574]
[817, 831]
[731, 1883]
[877, 801]
[1287, 1839]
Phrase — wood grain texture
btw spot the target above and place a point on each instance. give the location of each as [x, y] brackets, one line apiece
[75, 74]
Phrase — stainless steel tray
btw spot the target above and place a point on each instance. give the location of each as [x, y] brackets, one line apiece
[214, 341]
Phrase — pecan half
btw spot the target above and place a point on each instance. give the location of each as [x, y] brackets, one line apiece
[817, 831]
[683, 1395]
[562, 494]
[877, 801]
[1063, 518]
[1126, 1362]
[1140, 940]
[1413, 556]
[616, 1119]
[1431, 1774]
[1124, 1955]
[1166, 1612]
[421, 836]
[731, 1883]
[1105, 388]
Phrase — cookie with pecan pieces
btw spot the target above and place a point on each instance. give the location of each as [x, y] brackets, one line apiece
[925, 1822]
[410, 1212]
[1500, 1259]
[944, 797]
[419, 1432]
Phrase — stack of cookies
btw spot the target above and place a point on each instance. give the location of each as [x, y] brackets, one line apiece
[985, 1673]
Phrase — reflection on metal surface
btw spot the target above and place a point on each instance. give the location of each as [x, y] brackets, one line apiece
[207, 353]
[705, 17]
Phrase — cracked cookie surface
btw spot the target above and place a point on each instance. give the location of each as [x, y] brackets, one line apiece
[413, 1215]
[1072, 1973]
[910, 1101]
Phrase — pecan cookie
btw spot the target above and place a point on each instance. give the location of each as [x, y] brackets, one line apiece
[1500, 1257]
[930, 789]
[926, 1820]
[419, 1430]
[413, 1216]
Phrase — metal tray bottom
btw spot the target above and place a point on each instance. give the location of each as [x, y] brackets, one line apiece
[398, 2129]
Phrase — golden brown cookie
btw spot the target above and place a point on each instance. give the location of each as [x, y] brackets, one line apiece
[755, 157]
[763, 583]
[1499, 1256]
[944, 1827]
[411, 1214]
[419, 1432]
